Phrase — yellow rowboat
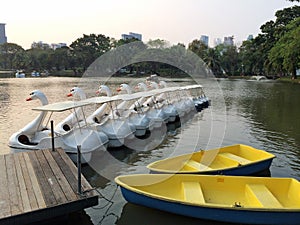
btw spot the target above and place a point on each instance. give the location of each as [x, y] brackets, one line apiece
[235, 199]
[231, 160]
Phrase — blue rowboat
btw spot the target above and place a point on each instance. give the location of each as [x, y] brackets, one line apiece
[234, 199]
[230, 160]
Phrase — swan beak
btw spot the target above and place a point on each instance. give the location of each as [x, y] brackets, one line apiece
[69, 95]
[136, 88]
[28, 99]
[98, 92]
[118, 89]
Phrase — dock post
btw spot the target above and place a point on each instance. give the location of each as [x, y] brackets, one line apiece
[52, 135]
[79, 168]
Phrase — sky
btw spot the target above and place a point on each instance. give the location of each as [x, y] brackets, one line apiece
[176, 21]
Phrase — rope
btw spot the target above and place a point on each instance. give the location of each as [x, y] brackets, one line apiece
[109, 204]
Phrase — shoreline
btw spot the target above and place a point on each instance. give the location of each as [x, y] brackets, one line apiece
[10, 74]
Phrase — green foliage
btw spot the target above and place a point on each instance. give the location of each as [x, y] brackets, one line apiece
[12, 56]
[88, 48]
[256, 54]
[285, 52]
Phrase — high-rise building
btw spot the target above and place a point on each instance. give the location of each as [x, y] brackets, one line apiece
[250, 37]
[132, 35]
[228, 41]
[204, 39]
[40, 44]
[217, 41]
[58, 45]
[3, 38]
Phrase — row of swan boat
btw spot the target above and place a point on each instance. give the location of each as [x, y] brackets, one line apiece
[117, 120]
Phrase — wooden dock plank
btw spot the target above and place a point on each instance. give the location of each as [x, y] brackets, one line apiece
[21, 181]
[16, 206]
[66, 171]
[29, 186]
[51, 178]
[65, 186]
[4, 198]
[84, 183]
[43, 182]
[35, 184]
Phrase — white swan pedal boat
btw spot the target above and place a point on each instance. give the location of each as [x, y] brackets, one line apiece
[36, 135]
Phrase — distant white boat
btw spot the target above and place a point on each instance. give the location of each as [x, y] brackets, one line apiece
[20, 74]
[258, 78]
[35, 74]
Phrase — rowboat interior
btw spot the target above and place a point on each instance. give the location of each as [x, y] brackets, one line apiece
[218, 191]
[210, 160]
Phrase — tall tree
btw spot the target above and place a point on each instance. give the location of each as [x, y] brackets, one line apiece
[199, 48]
[258, 49]
[285, 52]
[8, 53]
[90, 47]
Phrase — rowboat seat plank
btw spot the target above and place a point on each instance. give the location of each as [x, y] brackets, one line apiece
[196, 165]
[192, 192]
[263, 195]
[240, 160]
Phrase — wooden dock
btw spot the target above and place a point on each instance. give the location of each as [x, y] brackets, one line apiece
[40, 185]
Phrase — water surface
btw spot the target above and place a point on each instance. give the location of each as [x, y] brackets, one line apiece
[264, 115]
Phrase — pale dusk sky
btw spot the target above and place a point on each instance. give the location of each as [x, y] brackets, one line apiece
[176, 21]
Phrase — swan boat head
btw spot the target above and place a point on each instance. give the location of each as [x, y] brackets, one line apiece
[104, 89]
[33, 130]
[124, 88]
[77, 92]
[141, 87]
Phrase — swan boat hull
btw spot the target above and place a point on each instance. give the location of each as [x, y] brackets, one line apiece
[88, 139]
[117, 131]
[40, 138]
[230, 160]
[246, 200]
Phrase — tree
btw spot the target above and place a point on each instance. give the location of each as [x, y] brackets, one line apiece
[120, 42]
[61, 58]
[89, 47]
[285, 52]
[213, 61]
[255, 53]
[8, 54]
[158, 43]
[39, 59]
[230, 60]
[199, 48]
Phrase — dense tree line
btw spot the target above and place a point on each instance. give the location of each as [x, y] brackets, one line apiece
[275, 51]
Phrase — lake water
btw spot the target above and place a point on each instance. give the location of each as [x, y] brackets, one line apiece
[264, 115]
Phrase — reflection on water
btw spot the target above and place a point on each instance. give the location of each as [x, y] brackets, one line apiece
[264, 115]
[146, 216]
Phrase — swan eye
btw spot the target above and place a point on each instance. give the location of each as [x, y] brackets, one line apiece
[32, 93]
[72, 90]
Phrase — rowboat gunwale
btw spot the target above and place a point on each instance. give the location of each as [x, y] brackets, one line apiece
[265, 162]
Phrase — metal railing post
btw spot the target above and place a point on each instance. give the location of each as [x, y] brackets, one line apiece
[52, 135]
[79, 168]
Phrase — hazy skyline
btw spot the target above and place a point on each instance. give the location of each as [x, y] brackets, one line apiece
[172, 20]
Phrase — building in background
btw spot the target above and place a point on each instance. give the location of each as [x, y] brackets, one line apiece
[217, 41]
[250, 37]
[40, 45]
[229, 41]
[132, 35]
[204, 39]
[3, 38]
[57, 45]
